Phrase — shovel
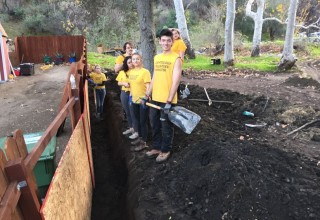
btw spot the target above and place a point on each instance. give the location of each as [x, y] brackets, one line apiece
[183, 118]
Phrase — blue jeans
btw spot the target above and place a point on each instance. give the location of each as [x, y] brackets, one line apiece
[100, 95]
[124, 97]
[140, 120]
[162, 129]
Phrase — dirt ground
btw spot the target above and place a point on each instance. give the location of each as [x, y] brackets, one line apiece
[224, 170]
[30, 103]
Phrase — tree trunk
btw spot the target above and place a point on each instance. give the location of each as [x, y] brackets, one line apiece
[258, 23]
[182, 25]
[288, 60]
[147, 32]
[229, 29]
[271, 33]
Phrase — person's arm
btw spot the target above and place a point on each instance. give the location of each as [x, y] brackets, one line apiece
[149, 88]
[118, 67]
[125, 84]
[181, 54]
[176, 77]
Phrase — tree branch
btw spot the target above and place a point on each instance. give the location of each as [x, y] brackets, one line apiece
[249, 11]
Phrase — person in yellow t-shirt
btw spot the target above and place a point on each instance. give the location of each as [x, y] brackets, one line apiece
[139, 79]
[123, 81]
[163, 90]
[178, 46]
[127, 48]
[98, 79]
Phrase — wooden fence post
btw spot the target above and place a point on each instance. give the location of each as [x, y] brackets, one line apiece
[28, 202]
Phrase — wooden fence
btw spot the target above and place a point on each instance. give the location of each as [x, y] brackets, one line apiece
[18, 190]
[32, 49]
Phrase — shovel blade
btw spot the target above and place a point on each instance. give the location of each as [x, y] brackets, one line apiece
[183, 118]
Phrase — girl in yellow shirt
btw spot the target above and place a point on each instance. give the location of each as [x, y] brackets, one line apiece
[139, 79]
[128, 48]
[99, 80]
[178, 46]
[123, 81]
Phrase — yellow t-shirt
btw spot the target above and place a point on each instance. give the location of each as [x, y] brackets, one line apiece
[120, 59]
[178, 46]
[123, 77]
[138, 79]
[162, 82]
[98, 78]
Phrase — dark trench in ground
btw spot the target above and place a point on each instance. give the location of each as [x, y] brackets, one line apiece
[110, 169]
[224, 170]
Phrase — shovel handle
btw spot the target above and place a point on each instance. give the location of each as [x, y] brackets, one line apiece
[153, 106]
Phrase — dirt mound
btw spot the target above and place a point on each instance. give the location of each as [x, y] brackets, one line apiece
[302, 82]
[226, 170]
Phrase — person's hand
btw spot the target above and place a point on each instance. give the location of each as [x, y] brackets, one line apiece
[91, 82]
[167, 108]
[143, 101]
[127, 85]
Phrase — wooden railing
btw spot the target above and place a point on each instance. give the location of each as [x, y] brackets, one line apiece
[18, 190]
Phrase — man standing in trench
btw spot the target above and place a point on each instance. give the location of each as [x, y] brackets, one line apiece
[163, 90]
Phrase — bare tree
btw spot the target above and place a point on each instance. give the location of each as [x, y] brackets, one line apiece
[288, 60]
[229, 33]
[182, 24]
[258, 22]
[147, 32]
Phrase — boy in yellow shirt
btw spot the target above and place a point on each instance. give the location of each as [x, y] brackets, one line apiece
[164, 84]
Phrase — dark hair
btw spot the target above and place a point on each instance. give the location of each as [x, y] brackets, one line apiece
[125, 66]
[166, 32]
[125, 45]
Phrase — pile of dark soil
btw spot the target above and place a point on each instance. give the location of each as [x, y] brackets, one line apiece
[225, 169]
[302, 82]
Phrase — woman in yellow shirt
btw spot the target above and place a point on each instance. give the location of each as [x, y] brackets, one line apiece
[123, 81]
[178, 46]
[139, 79]
[99, 80]
[127, 48]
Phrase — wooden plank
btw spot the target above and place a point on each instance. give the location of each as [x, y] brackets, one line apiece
[86, 103]
[51, 131]
[3, 177]
[89, 148]
[77, 106]
[70, 192]
[9, 201]
[28, 202]
[72, 115]
[21, 144]
[11, 148]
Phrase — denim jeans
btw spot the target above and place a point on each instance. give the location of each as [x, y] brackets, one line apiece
[124, 97]
[100, 95]
[162, 129]
[140, 120]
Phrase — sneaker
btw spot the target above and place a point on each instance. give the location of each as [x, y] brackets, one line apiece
[142, 146]
[134, 135]
[153, 153]
[97, 115]
[162, 157]
[135, 142]
[128, 131]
